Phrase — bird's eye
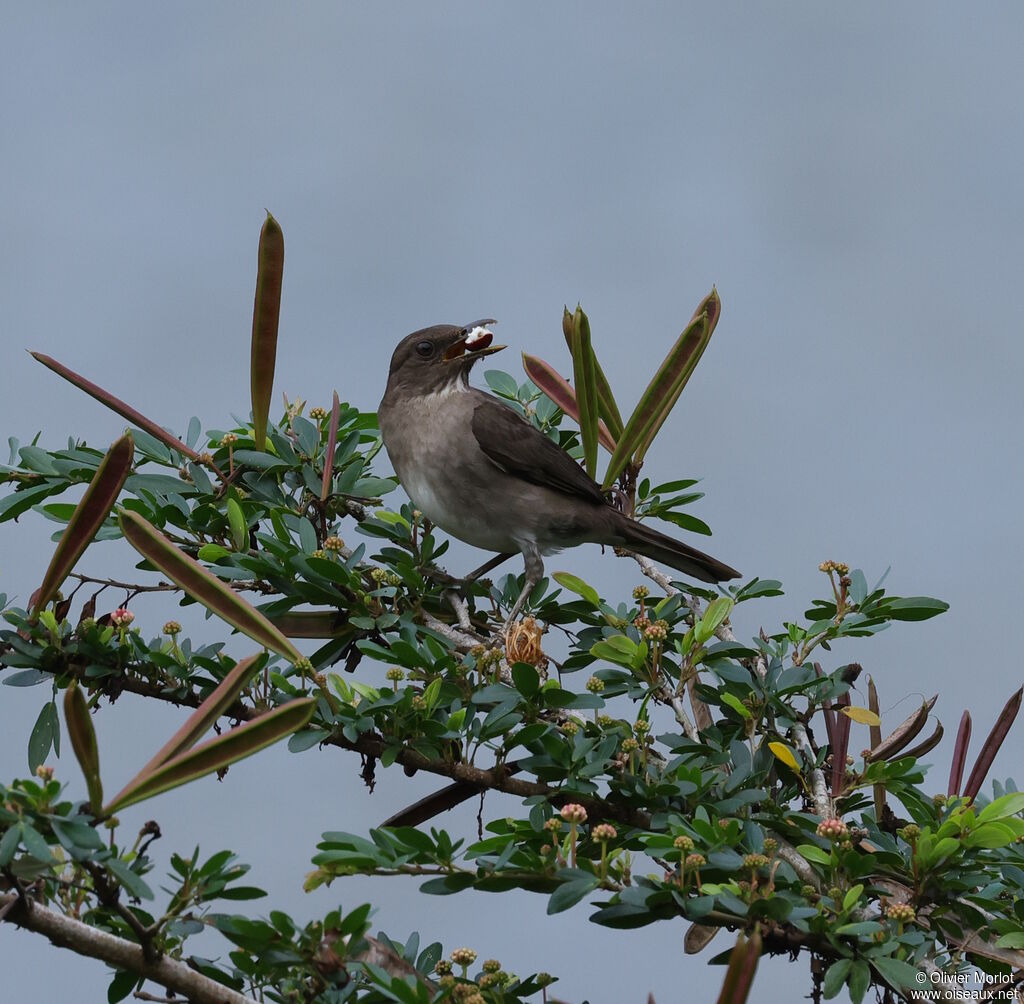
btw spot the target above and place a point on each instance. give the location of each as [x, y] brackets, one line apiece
[425, 349]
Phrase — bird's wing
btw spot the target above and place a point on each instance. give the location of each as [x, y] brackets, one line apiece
[522, 450]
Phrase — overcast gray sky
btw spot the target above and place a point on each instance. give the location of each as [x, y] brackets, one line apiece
[848, 175]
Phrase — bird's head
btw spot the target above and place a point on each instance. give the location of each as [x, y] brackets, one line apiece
[435, 359]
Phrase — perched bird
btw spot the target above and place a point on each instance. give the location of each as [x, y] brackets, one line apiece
[484, 474]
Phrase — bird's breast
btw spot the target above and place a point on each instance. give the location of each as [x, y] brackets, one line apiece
[442, 469]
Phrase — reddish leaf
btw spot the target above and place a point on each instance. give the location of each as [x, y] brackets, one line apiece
[926, 745]
[117, 405]
[556, 387]
[956, 768]
[332, 442]
[841, 748]
[991, 745]
[739, 976]
[88, 517]
[875, 738]
[266, 313]
[903, 734]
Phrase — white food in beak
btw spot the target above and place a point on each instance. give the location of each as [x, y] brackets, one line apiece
[476, 335]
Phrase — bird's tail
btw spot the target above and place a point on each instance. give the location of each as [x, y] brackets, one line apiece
[674, 553]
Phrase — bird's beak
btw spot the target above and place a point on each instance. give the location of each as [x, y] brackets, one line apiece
[474, 343]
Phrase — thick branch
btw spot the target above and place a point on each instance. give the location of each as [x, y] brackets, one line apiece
[66, 932]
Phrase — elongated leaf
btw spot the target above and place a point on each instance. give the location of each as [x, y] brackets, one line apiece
[608, 409]
[310, 624]
[956, 768]
[88, 517]
[203, 718]
[547, 378]
[117, 405]
[875, 737]
[841, 748]
[926, 745]
[83, 742]
[332, 443]
[188, 574]
[584, 378]
[218, 753]
[991, 745]
[903, 734]
[739, 976]
[237, 524]
[578, 586]
[266, 313]
[660, 396]
[711, 305]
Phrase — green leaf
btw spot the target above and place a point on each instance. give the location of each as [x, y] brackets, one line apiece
[266, 314]
[860, 979]
[216, 754]
[526, 679]
[835, 978]
[718, 610]
[664, 389]
[76, 834]
[584, 375]
[121, 986]
[212, 553]
[88, 517]
[858, 928]
[9, 845]
[41, 738]
[814, 853]
[896, 972]
[578, 586]
[201, 585]
[33, 842]
[83, 742]
[205, 716]
[852, 897]
[131, 880]
[239, 528]
[737, 705]
[570, 893]
[914, 608]
[502, 383]
[20, 502]
[999, 808]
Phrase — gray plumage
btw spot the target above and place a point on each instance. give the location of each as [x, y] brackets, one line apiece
[484, 474]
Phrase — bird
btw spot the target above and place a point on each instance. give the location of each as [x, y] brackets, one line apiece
[480, 471]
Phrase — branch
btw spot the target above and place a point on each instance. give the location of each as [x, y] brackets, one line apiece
[65, 932]
[819, 790]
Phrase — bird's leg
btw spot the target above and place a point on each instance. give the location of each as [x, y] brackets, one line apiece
[534, 571]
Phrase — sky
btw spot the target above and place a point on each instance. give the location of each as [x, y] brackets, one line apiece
[847, 176]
